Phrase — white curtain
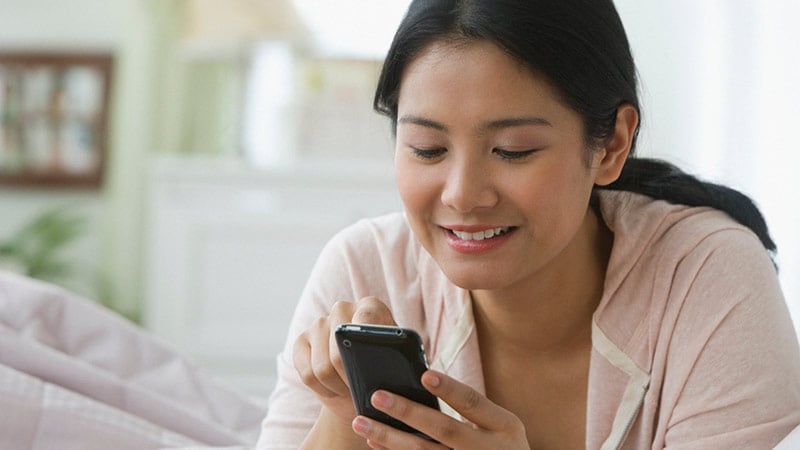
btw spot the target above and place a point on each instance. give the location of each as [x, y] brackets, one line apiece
[721, 95]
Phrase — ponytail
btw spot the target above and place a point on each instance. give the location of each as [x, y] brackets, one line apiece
[664, 181]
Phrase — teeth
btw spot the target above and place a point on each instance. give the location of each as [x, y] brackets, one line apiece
[481, 235]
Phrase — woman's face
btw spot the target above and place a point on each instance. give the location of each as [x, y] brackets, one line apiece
[492, 167]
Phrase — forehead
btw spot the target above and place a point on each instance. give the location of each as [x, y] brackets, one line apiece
[465, 85]
[473, 75]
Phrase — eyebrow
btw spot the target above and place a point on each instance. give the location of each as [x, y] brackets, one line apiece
[491, 125]
[421, 121]
[516, 122]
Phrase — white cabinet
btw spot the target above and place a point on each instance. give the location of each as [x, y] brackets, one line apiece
[229, 249]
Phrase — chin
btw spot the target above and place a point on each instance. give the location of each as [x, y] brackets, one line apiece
[473, 280]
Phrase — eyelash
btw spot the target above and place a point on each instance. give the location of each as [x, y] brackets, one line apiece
[513, 155]
[428, 154]
[431, 154]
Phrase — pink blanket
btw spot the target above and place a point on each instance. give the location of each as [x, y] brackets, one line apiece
[76, 376]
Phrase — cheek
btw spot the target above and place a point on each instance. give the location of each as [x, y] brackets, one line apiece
[416, 191]
[554, 196]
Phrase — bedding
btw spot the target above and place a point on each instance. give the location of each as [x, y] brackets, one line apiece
[74, 375]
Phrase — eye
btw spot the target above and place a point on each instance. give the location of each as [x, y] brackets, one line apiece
[428, 154]
[513, 154]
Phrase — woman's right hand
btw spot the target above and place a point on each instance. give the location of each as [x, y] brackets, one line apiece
[316, 355]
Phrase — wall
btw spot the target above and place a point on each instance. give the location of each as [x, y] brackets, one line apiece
[75, 25]
[55, 24]
[719, 89]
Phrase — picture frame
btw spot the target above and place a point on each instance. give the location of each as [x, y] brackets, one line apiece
[54, 118]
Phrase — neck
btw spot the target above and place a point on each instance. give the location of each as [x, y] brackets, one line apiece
[550, 313]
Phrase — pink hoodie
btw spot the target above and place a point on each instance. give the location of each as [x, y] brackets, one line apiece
[692, 342]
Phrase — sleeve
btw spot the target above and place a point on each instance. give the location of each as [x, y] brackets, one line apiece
[735, 381]
[293, 408]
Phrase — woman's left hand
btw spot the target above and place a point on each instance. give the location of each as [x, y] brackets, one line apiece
[494, 426]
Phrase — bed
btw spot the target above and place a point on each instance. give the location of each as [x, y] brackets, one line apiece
[74, 375]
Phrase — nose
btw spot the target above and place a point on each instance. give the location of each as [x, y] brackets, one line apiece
[469, 186]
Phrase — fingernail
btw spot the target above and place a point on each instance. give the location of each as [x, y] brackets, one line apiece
[432, 379]
[361, 425]
[381, 399]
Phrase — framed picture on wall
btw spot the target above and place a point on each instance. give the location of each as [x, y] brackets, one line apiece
[53, 118]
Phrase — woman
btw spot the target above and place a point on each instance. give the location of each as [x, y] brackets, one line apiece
[569, 294]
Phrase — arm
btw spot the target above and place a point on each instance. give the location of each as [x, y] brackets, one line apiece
[293, 407]
[331, 432]
[295, 411]
[311, 406]
[317, 361]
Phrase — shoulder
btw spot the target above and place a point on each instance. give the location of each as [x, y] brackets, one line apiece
[375, 230]
[382, 257]
[693, 298]
[670, 259]
[680, 273]
[377, 256]
[629, 212]
[648, 231]
[372, 257]
[372, 240]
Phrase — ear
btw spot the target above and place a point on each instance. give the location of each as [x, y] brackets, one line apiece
[610, 159]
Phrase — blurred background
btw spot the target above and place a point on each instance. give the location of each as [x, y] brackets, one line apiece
[183, 161]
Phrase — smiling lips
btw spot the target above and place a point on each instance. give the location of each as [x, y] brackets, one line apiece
[473, 240]
[481, 235]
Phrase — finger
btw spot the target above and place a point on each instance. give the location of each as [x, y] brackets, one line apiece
[375, 445]
[429, 421]
[471, 404]
[372, 311]
[341, 312]
[382, 436]
[301, 357]
[324, 369]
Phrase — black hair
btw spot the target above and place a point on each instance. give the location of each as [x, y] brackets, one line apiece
[581, 48]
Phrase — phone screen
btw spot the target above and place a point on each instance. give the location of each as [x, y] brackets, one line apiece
[388, 358]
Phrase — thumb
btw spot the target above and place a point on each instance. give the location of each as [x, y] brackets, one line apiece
[370, 310]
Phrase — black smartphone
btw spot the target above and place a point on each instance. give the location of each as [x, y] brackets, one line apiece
[387, 358]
